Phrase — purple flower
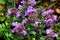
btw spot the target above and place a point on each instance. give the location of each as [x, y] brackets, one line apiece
[20, 7]
[15, 24]
[9, 12]
[23, 32]
[45, 13]
[17, 15]
[48, 31]
[23, 2]
[36, 23]
[33, 1]
[54, 17]
[50, 11]
[26, 13]
[30, 7]
[34, 10]
[48, 21]
[55, 35]
[14, 10]
[24, 21]
[13, 30]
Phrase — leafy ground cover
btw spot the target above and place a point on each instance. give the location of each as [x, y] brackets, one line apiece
[30, 19]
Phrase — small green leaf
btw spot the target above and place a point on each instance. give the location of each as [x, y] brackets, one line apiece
[33, 38]
[42, 38]
[6, 23]
[2, 18]
[33, 32]
[2, 2]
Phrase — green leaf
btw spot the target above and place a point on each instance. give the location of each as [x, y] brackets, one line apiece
[9, 7]
[2, 27]
[42, 38]
[28, 29]
[33, 38]
[2, 2]
[6, 23]
[14, 18]
[33, 32]
[2, 18]
[20, 37]
[9, 0]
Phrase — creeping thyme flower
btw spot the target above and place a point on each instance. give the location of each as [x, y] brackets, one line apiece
[50, 11]
[45, 13]
[23, 2]
[15, 24]
[23, 32]
[34, 10]
[17, 15]
[9, 12]
[30, 9]
[36, 23]
[54, 17]
[48, 21]
[19, 30]
[24, 21]
[33, 1]
[14, 10]
[26, 13]
[55, 35]
[13, 30]
[20, 7]
[48, 31]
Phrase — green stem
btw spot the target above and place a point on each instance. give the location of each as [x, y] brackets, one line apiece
[14, 3]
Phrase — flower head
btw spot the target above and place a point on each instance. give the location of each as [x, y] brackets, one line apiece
[13, 30]
[48, 31]
[36, 23]
[48, 21]
[24, 21]
[23, 32]
[20, 7]
[50, 11]
[23, 2]
[45, 13]
[9, 12]
[55, 35]
[26, 13]
[17, 15]
[33, 1]
[15, 24]
[13, 10]
[54, 17]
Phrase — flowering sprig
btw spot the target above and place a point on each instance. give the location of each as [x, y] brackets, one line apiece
[18, 29]
[50, 11]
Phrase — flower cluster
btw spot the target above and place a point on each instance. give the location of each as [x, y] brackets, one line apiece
[30, 10]
[33, 2]
[20, 29]
[14, 12]
[50, 11]
[50, 32]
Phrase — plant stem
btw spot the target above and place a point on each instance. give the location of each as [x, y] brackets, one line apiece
[14, 3]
